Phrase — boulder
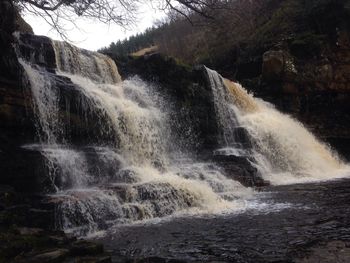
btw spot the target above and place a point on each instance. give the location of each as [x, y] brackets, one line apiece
[273, 65]
[239, 168]
[25, 170]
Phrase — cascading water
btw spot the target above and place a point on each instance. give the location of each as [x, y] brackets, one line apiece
[131, 179]
[283, 150]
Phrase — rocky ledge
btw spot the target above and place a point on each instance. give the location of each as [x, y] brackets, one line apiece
[34, 245]
[26, 234]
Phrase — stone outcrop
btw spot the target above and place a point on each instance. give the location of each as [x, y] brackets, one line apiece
[239, 168]
[33, 245]
[314, 90]
[273, 65]
[16, 117]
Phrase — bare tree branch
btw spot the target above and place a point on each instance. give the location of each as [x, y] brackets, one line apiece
[43, 4]
[121, 12]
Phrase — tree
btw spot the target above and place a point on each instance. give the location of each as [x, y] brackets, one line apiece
[59, 13]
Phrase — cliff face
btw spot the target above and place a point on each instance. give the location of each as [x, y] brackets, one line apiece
[314, 87]
[316, 90]
[16, 115]
[14, 108]
[304, 71]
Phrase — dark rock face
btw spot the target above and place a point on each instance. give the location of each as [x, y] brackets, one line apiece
[23, 245]
[37, 49]
[15, 123]
[16, 117]
[316, 91]
[9, 67]
[24, 170]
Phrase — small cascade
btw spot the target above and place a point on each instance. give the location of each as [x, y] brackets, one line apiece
[283, 150]
[92, 65]
[131, 177]
[46, 100]
[132, 115]
[225, 111]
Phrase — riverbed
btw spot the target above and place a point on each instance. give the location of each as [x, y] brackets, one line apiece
[295, 223]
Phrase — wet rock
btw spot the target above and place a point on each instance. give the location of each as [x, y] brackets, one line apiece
[239, 168]
[30, 231]
[40, 218]
[24, 170]
[37, 49]
[23, 214]
[54, 256]
[155, 260]
[8, 196]
[100, 259]
[8, 63]
[22, 245]
[83, 248]
[334, 251]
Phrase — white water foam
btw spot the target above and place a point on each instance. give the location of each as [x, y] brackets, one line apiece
[284, 151]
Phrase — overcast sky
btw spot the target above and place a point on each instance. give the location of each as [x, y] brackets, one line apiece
[94, 35]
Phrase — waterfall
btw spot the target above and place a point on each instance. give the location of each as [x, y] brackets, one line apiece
[130, 178]
[126, 167]
[85, 63]
[45, 104]
[226, 115]
[283, 150]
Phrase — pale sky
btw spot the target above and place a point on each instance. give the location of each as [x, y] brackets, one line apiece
[94, 35]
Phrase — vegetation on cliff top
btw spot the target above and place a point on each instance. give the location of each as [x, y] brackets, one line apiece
[243, 27]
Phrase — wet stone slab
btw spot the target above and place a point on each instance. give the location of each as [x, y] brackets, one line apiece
[313, 228]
